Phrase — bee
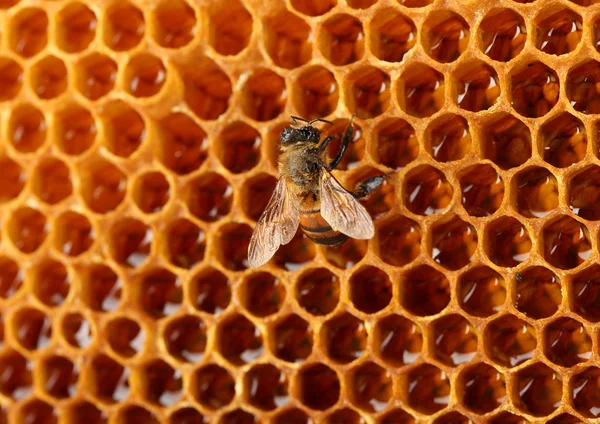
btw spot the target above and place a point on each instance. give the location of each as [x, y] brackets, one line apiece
[309, 196]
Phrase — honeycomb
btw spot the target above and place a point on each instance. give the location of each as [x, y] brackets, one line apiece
[139, 148]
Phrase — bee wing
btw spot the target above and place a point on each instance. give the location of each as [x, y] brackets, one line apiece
[276, 226]
[342, 211]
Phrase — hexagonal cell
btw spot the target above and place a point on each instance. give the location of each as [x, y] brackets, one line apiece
[317, 291]
[534, 90]
[26, 128]
[12, 179]
[124, 129]
[291, 415]
[448, 138]
[36, 411]
[183, 145]
[426, 191]
[370, 387]
[188, 415]
[396, 416]
[398, 341]
[96, 75]
[124, 26]
[584, 392]
[239, 147]
[11, 277]
[532, 381]
[508, 418]
[564, 140]
[453, 243]
[237, 416]
[398, 241]
[313, 8]
[316, 93]
[345, 416]
[27, 229]
[537, 192]
[229, 28]
[396, 143]
[344, 338]
[210, 291]
[76, 27]
[28, 33]
[559, 32]
[209, 196]
[207, 89]
[266, 387]
[287, 40]
[151, 192]
[145, 75]
[160, 383]
[454, 340]
[292, 339]
[503, 34]
[427, 389]
[425, 291]
[175, 24]
[564, 419]
[452, 418]
[446, 35]
[585, 290]
[130, 242]
[212, 386]
[584, 192]
[370, 289]
[581, 87]
[346, 255]
[17, 379]
[11, 78]
[239, 341]
[133, 413]
[73, 234]
[262, 293]
[264, 95]
[368, 92]
[567, 342]
[185, 243]
[75, 130]
[84, 411]
[538, 292]
[51, 180]
[507, 141]
[59, 377]
[318, 386]
[159, 292]
[482, 388]
[232, 246]
[76, 330]
[508, 242]
[566, 243]
[481, 291]
[51, 282]
[482, 190]
[421, 90]
[342, 39]
[392, 35]
[108, 380]
[509, 341]
[185, 338]
[100, 288]
[49, 77]
[102, 185]
[477, 87]
[125, 337]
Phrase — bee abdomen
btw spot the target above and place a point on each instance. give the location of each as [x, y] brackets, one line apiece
[319, 231]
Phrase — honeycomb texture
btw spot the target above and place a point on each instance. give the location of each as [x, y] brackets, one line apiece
[139, 147]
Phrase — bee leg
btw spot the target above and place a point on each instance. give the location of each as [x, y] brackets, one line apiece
[368, 185]
[325, 142]
[344, 145]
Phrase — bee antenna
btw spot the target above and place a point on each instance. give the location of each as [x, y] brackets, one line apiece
[295, 119]
[320, 120]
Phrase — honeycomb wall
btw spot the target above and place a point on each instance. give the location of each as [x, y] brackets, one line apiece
[139, 147]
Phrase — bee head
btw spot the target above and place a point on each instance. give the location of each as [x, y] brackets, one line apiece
[305, 134]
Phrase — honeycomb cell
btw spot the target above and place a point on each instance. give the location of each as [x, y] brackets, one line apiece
[207, 89]
[454, 340]
[564, 140]
[75, 130]
[101, 288]
[287, 40]
[27, 229]
[266, 387]
[51, 180]
[344, 337]
[238, 416]
[530, 383]
[318, 386]
[483, 388]
[427, 389]
[11, 277]
[175, 24]
[33, 328]
[124, 129]
[566, 243]
[538, 292]
[537, 192]
[239, 147]
[292, 339]
[209, 197]
[96, 75]
[188, 415]
[124, 26]
[130, 242]
[144, 75]
[448, 138]
[508, 418]
[446, 36]
[28, 33]
[160, 293]
[263, 95]
[564, 419]
[12, 179]
[316, 93]
[108, 380]
[133, 413]
[262, 293]
[482, 190]
[503, 34]
[346, 255]
[509, 341]
[51, 282]
[299, 252]
[26, 128]
[584, 392]
[426, 190]
[183, 145]
[185, 243]
[232, 246]
[239, 341]
[59, 377]
[212, 386]
[421, 90]
[76, 27]
[313, 8]
[185, 338]
[584, 191]
[398, 241]
[17, 379]
[125, 337]
[581, 87]
[291, 415]
[256, 194]
[84, 411]
[11, 79]
[477, 87]
[229, 28]
[368, 92]
[452, 418]
[508, 243]
[102, 185]
[453, 243]
[396, 144]
[370, 387]
[396, 416]
[398, 341]
[342, 39]
[318, 291]
[534, 90]
[392, 35]
[370, 289]
[151, 192]
[73, 234]
[76, 330]
[160, 384]
[36, 411]
[506, 141]
[345, 416]
[425, 291]
[584, 291]
[49, 77]
[567, 342]
[558, 33]
[210, 291]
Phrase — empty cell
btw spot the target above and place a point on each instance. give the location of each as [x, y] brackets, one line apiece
[581, 87]
[27, 229]
[102, 185]
[506, 141]
[17, 378]
[292, 339]
[355, 151]
[291, 415]
[396, 144]
[477, 86]
[342, 39]
[145, 75]
[75, 129]
[229, 27]
[558, 32]
[207, 89]
[566, 243]
[11, 277]
[318, 291]
[159, 293]
[186, 415]
[256, 193]
[567, 342]
[59, 377]
[318, 386]
[36, 411]
[584, 392]
[344, 338]
[124, 129]
[266, 387]
[11, 79]
[538, 292]
[398, 341]
[564, 140]
[530, 382]
[76, 330]
[108, 380]
[210, 291]
[160, 383]
[185, 243]
[26, 128]
[454, 340]
[316, 93]
[481, 291]
[425, 291]
[124, 336]
[397, 415]
[263, 95]
[584, 193]
[12, 179]
[534, 89]
[482, 388]
[392, 35]
[51, 282]
[73, 234]
[76, 27]
[28, 34]
[175, 24]
[537, 192]
[95, 75]
[84, 411]
[239, 147]
[313, 7]
[503, 34]
[421, 90]
[101, 287]
[238, 340]
[151, 192]
[33, 328]
[52, 180]
[209, 197]
[426, 191]
[585, 292]
[238, 416]
[448, 138]
[262, 294]
[426, 389]
[232, 246]
[185, 338]
[299, 252]
[345, 416]
[124, 26]
[287, 39]
[370, 289]
[453, 243]
[445, 35]
[133, 413]
[347, 254]
[370, 387]
[508, 242]
[368, 92]
[509, 341]
[482, 190]
[398, 241]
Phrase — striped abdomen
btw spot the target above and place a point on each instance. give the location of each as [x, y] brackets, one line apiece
[314, 225]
